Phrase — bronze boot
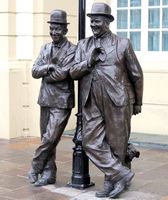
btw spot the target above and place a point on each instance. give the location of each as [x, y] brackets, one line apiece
[32, 176]
[108, 187]
[48, 177]
[121, 185]
[43, 181]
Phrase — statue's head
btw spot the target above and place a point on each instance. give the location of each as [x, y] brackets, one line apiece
[58, 25]
[100, 18]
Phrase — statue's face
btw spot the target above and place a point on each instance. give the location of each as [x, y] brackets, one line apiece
[57, 32]
[98, 25]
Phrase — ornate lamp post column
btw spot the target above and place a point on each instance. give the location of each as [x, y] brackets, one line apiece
[80, 167]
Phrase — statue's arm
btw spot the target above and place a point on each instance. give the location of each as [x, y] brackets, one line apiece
[80, 65]
[40, 66]
[61, 70]
[135, 75]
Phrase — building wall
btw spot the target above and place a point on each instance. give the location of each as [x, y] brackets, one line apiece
[154, 116]
[19, 91]
[19, 110]
[7, 42]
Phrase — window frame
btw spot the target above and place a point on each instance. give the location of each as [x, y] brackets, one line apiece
[144, 30]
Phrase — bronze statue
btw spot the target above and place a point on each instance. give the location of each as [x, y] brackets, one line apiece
[111, 82]
[56, 98]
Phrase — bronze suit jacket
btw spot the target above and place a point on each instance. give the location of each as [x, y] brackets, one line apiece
[120, 72]
[60, 91]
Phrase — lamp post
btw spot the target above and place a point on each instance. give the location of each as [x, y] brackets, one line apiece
[80, 167]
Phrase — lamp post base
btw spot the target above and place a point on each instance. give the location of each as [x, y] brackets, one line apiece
[81, 187]
[80, 173]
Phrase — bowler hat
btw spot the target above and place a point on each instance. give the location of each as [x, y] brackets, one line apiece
[58, 17]
[101, 9]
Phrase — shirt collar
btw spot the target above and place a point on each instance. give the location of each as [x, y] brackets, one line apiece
[104, 35]
[108, 34]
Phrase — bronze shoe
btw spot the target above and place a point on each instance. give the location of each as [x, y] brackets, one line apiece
[32, 176]
[121, 185]
[42, 182]
[108, 187]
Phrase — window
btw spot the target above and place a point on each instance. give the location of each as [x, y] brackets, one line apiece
[122, 22]
[154, 18]
[135, 19]
[153, 40]
[135, 37]
[144, 22]
[134, 3]
[122, 3]
[154, 2]
[165, 41]
[157, 25]
[129, 21]
[165, 18]
[165, 2]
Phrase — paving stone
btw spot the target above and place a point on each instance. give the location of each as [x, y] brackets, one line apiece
[127, 196]
[136, 195]
[150, 181]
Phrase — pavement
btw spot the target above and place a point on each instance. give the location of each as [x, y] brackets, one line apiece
[150, 181]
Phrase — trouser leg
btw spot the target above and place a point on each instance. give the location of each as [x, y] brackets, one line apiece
[50, 168]
[44, 119]
[94, 142]
[117, 128]
[57, 121]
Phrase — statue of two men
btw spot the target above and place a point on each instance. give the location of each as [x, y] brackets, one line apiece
[111, 83]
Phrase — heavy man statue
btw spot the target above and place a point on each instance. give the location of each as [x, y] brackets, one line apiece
[56, 98]
[111, 86]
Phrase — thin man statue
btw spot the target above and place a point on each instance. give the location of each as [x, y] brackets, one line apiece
[56, 98]
[111, 82]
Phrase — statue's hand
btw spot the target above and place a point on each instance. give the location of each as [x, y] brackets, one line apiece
[102, 54]
[51, 68]
[136, 109]
[94, 57]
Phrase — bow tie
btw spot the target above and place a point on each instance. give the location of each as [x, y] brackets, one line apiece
[56, 46]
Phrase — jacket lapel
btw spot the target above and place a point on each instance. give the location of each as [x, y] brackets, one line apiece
[110, 44]
[49, 55]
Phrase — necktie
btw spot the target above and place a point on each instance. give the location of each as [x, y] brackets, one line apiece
[102, 54]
